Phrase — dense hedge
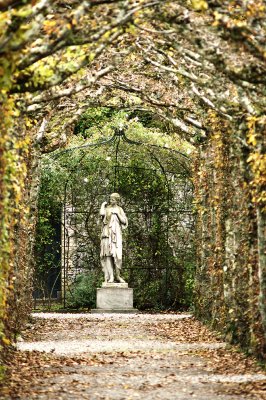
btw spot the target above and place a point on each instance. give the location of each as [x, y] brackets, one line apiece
[14, 227]
[230, 277]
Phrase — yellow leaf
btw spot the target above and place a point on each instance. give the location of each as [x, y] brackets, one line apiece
[28, 124]
[6, 341]
[199, 5]
[107, 35]
[252, 139]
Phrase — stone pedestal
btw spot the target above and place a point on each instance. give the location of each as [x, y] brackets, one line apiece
[114, 298]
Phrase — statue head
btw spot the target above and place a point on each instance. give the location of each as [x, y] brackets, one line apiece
[114, 198]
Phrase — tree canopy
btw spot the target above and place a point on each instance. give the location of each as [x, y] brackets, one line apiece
[178, 59]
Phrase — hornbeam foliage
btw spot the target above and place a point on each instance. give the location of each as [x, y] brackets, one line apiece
[180, 58]
[198, 65]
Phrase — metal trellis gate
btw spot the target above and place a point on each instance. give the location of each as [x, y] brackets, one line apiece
[156, 191]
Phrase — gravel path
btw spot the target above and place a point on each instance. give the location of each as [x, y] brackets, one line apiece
[136, 356]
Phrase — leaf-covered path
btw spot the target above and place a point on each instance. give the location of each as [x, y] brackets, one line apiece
[139, 356]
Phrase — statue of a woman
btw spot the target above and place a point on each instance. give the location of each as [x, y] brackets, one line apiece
[114, 220]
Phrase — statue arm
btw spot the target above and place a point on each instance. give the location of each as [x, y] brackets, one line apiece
[122, 216]
[103, 209]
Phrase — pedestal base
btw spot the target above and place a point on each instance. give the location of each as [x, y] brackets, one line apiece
[114, 298]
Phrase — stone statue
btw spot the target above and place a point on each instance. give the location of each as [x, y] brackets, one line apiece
[114, 221]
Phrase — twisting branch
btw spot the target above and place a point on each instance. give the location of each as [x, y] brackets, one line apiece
[208, 102]
[164, 32]
[54, 93]
[62, 76]
[117, 84]
[38, 14]
[67, 38]
[178, 71]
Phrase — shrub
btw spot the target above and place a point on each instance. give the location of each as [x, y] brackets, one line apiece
[82, 292]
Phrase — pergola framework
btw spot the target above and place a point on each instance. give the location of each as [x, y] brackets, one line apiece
[168, 204]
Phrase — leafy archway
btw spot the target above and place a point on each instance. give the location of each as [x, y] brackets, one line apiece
[200, 66]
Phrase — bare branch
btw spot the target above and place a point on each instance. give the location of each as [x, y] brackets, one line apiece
[245, 101]
[62, 76]
[178, 71]
[165, 32]
[118, 84]
[208, 102]
[38, 13]
[54, 93]
[41, 131]
[65, 40]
